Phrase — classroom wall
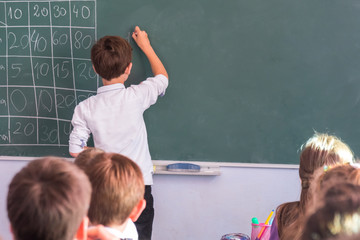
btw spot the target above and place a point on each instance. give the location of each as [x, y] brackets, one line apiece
[199, 207]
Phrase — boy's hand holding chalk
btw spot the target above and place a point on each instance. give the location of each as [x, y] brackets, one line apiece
[141, 38]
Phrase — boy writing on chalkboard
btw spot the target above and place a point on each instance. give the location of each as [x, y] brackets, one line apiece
[115, 115]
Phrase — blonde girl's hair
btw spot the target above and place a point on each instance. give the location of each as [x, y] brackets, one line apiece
[320, 150]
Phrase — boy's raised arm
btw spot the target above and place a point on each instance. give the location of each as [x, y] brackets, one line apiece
[142, 40]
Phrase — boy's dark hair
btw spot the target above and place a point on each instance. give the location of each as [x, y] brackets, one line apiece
[118, 186]
[48, 199]
[110, 56]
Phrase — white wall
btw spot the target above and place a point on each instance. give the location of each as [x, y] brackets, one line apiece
[7, 170]
[207, 207]
[199, 207]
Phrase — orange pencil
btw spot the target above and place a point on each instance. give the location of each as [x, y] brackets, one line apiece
[266, 223]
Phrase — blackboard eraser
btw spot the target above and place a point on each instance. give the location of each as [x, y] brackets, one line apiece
[183, 167]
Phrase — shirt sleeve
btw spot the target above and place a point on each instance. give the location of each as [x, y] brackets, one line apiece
[150, 89]
[80, 133]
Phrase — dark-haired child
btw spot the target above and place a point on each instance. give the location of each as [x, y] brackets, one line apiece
[115, 115]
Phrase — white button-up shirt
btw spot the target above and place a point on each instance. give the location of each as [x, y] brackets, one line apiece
[129, 232]
[115, 118]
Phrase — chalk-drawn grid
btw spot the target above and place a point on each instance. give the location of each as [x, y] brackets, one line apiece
[45, 68]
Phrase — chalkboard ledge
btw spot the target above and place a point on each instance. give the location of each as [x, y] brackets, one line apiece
[20, 158]
[214, 168]
[207, 168]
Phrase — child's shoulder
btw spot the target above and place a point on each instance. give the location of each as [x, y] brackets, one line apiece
[157, 82]
[83, 100]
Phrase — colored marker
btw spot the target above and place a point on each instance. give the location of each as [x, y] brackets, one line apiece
[254, 220]
[263, 228]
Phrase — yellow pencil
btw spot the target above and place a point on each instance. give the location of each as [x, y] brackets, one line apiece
[266, 223]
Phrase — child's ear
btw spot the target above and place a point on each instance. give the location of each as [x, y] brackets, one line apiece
[128, 69]
[135, 213]
[81, 233]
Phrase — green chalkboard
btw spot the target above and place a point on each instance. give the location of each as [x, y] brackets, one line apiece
[45, 70]
[250, 80]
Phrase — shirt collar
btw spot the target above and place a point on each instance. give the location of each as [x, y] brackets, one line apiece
[114, 232]
[110, 87]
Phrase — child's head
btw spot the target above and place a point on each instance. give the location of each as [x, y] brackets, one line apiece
[340, 214]
[335, 175]
[110, 56]
[345, 237]
[327, 178]
[48, 199]
[118, 189]
[318, 151]
[83, 159]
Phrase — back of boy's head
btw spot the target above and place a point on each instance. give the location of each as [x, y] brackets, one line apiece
[48, 199]
[84, 157]
[110, 56]
[118, 186]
